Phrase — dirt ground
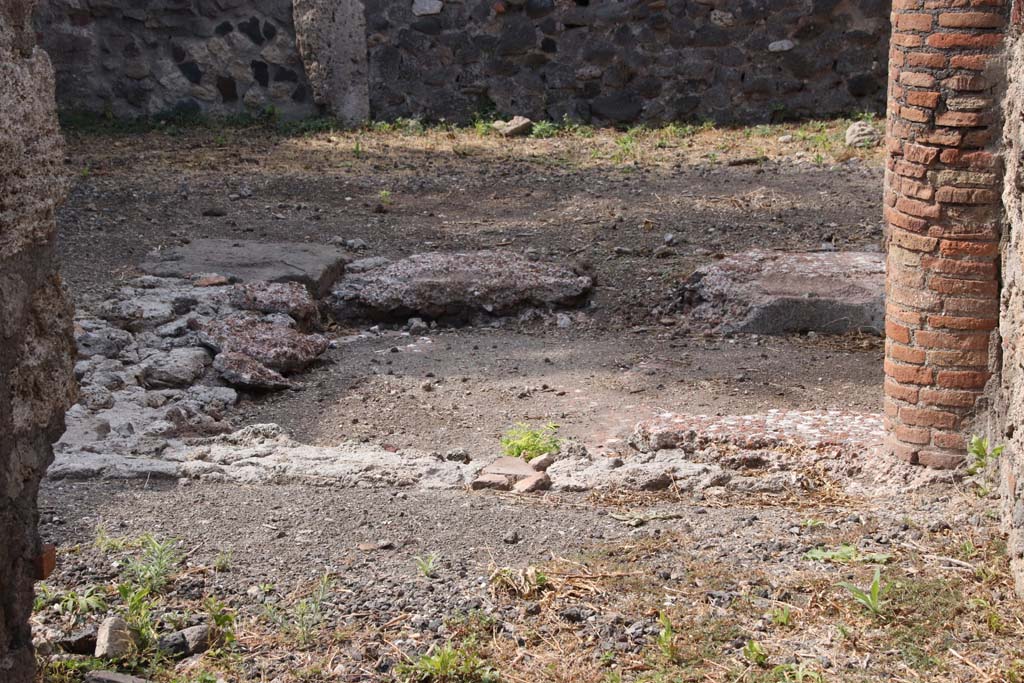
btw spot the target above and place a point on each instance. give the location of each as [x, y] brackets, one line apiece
[648, 587]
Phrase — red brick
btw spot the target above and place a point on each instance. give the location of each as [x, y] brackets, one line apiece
[906, 4]
[917, 79]
[906, 278]
[896, 331]
[962, 379]
[977, 139]
[972, 307]
[900, 392]
[972, 41]
[931, 339]
[923, 98]
[929, 60]
[913, 22]
[906, 40]
[964, 195]
[948, 397]
[919, 435]
[969, 62]
[945, 285]
[908, 374]
[906, 354]
[961, 359]
[919, 154]
[928, 417]
[909, 318]
[915, 298]
[941, 136]
[951, 230]
[916, 208]
[890, 408]
[912, 188]
[901, 450]
[961, 119]
[961, 159]
[966, 83]
[902, 220]
[982, 270]
[970, 20]
[940, 460]
[951, 322]
[908, 240]
[916, 115]
[964, 248]
[909, 170]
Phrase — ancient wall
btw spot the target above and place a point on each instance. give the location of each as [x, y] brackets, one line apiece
[627, 61]
[1009, 398]
[36, 384]
[609, 60]
[150, 57]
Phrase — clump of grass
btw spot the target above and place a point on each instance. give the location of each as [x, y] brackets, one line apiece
[755, 653]
[426, 565]
[223, 561]
[523, 441]
[153, 569]
[871, 598]
[544, 129]
[845, 554]
[306, 616]
[667, 638]
[521, 583]
[449, 664]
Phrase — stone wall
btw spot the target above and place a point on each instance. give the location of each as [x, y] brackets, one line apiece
[149, 57]
[943, 216]
[627, 60]
[1009, 394]
[36, 345]
[605, 60]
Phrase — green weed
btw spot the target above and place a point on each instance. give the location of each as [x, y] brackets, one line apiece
[982, 453]
[871, 597]
[523, 441]
[449, 664]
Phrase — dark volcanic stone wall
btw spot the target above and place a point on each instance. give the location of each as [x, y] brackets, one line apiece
[36, 384]
[149, 57]
[628, 60]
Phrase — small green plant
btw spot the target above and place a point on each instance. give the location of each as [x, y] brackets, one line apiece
[521, 583]
[523, 441]
[782, 616]
[983, 454]
[667, 638]
[845, 554]
[90, 600]
[544, 129]
[138, 610]
[384, 196]
[152, 570]
[812, 523]
[755, 653]
[45, 596]
[223, 620]
[305, 617]
[222, 563]
[357, 149]
[796, 673]
[449, 664]
[427, 566]
[872, 597]
[107, 543]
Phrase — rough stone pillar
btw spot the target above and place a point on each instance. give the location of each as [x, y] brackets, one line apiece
[942, 207]
[331, 35]
[36, 383]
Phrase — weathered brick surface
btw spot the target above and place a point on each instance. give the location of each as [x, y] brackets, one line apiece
[943, 215]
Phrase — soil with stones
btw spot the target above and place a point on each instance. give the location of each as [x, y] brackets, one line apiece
[411, 569]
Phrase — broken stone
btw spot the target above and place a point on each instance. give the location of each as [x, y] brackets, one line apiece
[316, 266]
[542, 462]
[114, 639]
[491, 481]
[862, 134]
[101, 340]
[539, 481]
[278, 347]
[240, 370]
[519, 125]
[422, 8]
[112, 677]
[764, 292]
[457, 285]
[289, 298]
[185, 642]
[175, 368]
[80, 642]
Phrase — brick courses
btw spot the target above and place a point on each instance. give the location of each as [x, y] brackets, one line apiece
[942, 209]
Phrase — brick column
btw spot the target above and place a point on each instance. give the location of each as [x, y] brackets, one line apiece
[943, 215]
